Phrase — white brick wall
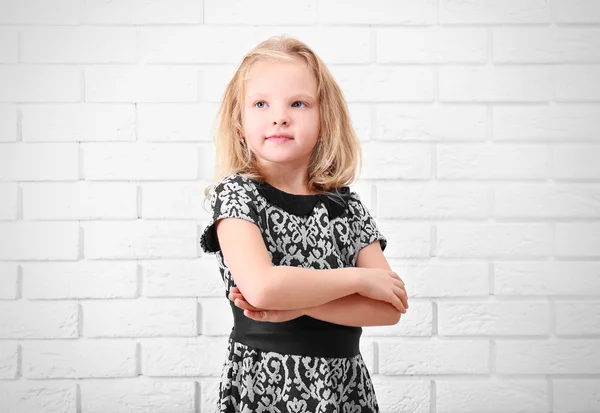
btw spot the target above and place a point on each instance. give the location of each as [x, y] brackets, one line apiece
[480, 127]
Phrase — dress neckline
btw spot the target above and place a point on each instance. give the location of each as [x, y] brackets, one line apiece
[303, 204]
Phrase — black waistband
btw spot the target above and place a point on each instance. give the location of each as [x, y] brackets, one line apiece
[304, 336]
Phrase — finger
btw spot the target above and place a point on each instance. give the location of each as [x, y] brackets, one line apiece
[245, 305]
[398, 282]
[401, 294]
[256, 315]
[396, 302]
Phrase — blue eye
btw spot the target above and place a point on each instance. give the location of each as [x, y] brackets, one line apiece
[300, 103]
[258, 103]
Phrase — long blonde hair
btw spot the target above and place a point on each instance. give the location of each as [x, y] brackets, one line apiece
[336, 155]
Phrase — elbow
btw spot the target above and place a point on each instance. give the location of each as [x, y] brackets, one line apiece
[258, 293]
[393, 315]
[396, 317]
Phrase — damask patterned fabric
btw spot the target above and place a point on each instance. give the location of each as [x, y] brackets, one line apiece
[310, 231]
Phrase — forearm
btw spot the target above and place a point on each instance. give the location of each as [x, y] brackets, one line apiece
[356, 311]
[291, 288]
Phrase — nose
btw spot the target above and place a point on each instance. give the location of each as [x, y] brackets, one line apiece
[281, 118]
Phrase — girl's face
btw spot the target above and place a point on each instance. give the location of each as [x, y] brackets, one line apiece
[281, 98]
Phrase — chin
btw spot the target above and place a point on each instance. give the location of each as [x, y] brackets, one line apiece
[280, 157]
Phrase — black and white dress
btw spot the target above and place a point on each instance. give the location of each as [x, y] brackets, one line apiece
[302, 365]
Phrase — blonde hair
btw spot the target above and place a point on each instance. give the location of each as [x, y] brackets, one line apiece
[336, 155]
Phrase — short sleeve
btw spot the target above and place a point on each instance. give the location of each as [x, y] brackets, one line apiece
[232, 198]
[366, 229]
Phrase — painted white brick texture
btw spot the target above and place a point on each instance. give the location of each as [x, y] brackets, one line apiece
[479, 122]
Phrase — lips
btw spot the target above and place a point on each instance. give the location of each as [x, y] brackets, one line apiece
[280, 136]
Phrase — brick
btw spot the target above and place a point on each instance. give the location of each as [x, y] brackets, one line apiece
[143, 317]
[130, 83]
[139, 239]
[235, 12]
[9, 273]
[489, 240]
[209, 392]
[27, 396]
[74, 359]
[30, 319]
[21, 240]
[443, 279]
[577, 239]
[547, 357]
[577, 11]
[226, 44]
[182, 357]
[485, 396]
[493, 12]
[547, 278]
[538, 201]
[29, 12]
[40, 83]
[9, 45]
[433, 200]
[79, 200]
[79, 280]
[173, 200]
[421, 122]
[9, 354]
[492, 161]
[561, 122]
[213, 81]
[142, 13]
[433, 357]
[362, 121]
[78, 122]
[577, 318]
[385, 83]
[8, 122]
[576, 395]
[134, 161]
[546, 45]
[406, 240]
[53, 162]
[190, 122]
[495, 84]
[217, 318]
[182, 278]
[402, 395]
[9, 205]
[576, 161]
[396, 161]
[378, 12]
[431, 45]
[129, 396]
[78, 45]
[576, 83]
[493, 319]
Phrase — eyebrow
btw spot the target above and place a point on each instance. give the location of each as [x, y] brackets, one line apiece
[299, 96]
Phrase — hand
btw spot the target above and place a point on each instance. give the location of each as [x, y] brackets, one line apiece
[273, 316]
[384, 285]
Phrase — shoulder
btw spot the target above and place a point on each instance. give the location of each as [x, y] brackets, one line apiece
[234, 184]
[233, 190]
[354, 201]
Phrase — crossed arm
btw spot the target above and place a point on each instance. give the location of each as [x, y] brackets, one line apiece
[351, 310]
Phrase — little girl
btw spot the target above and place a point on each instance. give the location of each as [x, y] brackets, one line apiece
[300, 255]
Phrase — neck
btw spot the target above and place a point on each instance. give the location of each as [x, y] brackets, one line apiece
[292, 180]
